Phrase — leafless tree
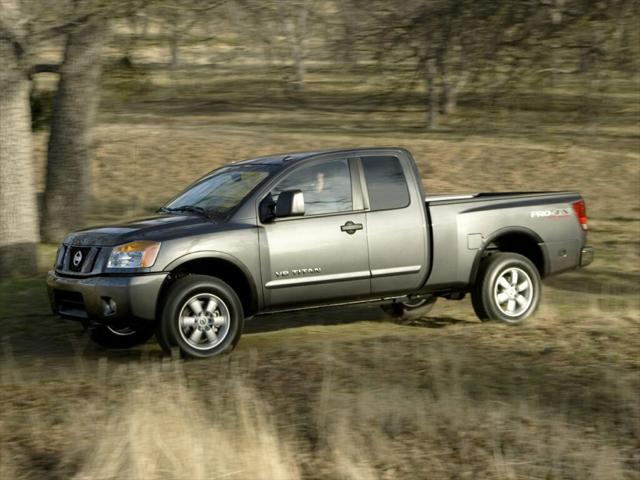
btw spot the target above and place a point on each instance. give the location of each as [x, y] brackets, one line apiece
[494, 45]
[296, 27]
[284, 28]
[18, 207]
[68, 181]
[183, 20]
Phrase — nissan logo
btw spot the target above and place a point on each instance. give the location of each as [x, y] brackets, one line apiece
[77, 258]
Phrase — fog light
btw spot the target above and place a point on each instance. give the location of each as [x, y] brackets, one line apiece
[109, 306]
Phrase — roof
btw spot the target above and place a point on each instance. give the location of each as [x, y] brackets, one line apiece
[279, 159]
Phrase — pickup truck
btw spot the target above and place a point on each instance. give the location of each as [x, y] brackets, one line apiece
[305, 230]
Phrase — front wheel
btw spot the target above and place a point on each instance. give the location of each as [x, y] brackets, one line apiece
[124, 336]
[507, 288]
[202, 317]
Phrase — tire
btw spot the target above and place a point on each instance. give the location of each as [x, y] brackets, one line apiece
[203, 304]
[122, 337]
[410, 310]
[161, 335]
[507, 288]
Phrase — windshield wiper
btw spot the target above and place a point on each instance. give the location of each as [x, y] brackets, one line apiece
[187, 208]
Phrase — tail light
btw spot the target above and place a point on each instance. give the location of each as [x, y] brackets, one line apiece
[580, 210]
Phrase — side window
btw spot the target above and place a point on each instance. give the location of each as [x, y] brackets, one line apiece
[326, 187]
[386, 183]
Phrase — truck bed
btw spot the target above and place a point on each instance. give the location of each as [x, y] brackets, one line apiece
[462, 197]
[462, 225]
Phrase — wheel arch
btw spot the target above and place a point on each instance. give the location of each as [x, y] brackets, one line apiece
[521, 240]
[215, 264]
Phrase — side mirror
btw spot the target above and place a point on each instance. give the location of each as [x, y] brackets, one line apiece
[290, 204]
[267, 209]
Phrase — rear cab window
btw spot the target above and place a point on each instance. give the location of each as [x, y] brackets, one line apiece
[386, 183]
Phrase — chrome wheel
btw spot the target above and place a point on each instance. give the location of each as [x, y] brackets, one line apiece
[122, 332]
[204, 321]
[121, 335]
[513, 292]
[416, 303]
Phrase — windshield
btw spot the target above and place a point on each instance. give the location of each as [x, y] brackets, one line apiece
[220, 192]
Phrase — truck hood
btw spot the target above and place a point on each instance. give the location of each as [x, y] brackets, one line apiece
[157, 227]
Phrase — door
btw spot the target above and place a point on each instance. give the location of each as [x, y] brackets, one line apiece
[396, 226]
[321, 256]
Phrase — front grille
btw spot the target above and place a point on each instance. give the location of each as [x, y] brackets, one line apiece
[70, 303]
[78, 257]
[79, 260]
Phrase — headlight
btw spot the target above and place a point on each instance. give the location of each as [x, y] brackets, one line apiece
[139, 254]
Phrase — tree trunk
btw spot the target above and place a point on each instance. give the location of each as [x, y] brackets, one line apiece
[348, 23]
[174, 50]
[444, 82]
[68, 183]
[450, 91]
[131, 43]
[297, 33]
[432, 94]
[18, 206]
[300, 71]
[176, 28]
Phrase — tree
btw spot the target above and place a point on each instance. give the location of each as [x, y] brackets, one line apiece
[447, 41]
[284, 29]
[296, 27]
[180, 19]
[451, 45]
[68, 181]
[67, 194]
[18, 207]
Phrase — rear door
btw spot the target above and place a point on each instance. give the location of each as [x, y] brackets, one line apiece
[323, 255]
[396, 224]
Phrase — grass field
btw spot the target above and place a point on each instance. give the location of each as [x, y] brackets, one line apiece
[347, 393]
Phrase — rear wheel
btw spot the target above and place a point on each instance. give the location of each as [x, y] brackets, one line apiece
[410, 309]
[202, 317]
[124, 336]
[507, 288]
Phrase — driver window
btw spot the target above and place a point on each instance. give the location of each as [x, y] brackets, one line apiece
[326, 187]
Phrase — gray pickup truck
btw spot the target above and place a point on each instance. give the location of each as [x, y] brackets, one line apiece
[301, 230]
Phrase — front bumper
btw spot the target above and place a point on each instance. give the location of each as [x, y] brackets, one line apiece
[586, 256]
[105, 299]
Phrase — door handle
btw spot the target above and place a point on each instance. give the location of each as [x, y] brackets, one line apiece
[351, 227]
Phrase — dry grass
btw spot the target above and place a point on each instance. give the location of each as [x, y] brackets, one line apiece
[163, 430]
[374, 417]
[346, 394]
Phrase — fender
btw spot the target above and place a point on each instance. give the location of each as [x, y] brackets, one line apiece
[506, 231]
[217, 255]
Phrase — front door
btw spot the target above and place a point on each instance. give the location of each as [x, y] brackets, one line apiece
[321, 256]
